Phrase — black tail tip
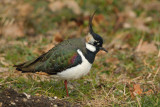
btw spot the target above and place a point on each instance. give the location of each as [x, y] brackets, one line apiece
[18, 69]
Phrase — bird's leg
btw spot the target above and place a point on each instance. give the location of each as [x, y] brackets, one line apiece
[65, 82]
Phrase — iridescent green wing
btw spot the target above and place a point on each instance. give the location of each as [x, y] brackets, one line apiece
[59, 58]
[63, 56]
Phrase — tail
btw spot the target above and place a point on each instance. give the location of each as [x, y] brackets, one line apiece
[26, 67]
[19, 67]
[30, 66]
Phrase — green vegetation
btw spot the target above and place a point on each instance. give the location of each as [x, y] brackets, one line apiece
[127, 76]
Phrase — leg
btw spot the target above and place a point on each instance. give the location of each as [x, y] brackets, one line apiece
[65, 82]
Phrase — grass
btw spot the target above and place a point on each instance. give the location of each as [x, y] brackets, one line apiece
[113, 75]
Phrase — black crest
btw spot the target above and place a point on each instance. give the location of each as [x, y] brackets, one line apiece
[95, 36]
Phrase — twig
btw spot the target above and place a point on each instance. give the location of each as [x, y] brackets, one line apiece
[138, 101]
[156, 73]
[124, 92]
[140, 44]
[104, 90]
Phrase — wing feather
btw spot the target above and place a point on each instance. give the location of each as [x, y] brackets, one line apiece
[59, 58]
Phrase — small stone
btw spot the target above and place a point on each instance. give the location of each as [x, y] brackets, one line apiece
[55, 97]
[38, 100]
[13, 103]
[1, 104]
[27, 95]
[24, 99]
[50, 98]
[55, 105]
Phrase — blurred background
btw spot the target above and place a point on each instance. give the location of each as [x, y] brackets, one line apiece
[127, 75]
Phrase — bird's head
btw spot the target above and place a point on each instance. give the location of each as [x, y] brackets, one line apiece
[93, 40]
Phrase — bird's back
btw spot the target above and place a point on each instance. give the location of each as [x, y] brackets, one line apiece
[62, 56]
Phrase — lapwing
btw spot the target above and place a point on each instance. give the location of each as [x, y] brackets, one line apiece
[68, 60]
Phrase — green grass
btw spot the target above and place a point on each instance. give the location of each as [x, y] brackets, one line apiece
[112, 75]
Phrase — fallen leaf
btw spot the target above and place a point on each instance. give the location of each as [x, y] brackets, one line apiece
[24, 9]
[101, 53]
[118, 42]
[137, 89]
[103, 76]
[147, 47]
[56, 6]
[112, 60]
[140, 23]
[37, 94]
[58, 37]
[149, 92]
[2, 61]
[13, 30]
[71, 4]
[72, 24]
[2, 69]
[125, 46]
[131, 20]
[99, 18]
[154, 5]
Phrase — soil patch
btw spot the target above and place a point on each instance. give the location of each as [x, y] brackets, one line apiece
[11, 98]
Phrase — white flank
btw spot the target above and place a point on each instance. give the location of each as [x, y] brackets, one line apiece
[90, 47]
[77, 71]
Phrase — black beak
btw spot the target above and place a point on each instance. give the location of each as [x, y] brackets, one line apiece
[101, 48]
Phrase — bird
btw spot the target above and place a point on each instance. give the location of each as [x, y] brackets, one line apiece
[68, 60]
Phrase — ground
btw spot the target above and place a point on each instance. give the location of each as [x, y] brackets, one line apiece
[128, 75]
[10, 98]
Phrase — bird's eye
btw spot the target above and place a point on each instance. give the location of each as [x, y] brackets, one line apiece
[95, 43]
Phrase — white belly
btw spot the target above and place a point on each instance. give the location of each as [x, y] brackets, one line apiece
[77, 71]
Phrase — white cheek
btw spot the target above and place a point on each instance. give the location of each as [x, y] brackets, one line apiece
[90, 47]
[91, 39]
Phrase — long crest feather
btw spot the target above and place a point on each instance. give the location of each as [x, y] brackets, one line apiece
[90, 23]
[93, 34]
